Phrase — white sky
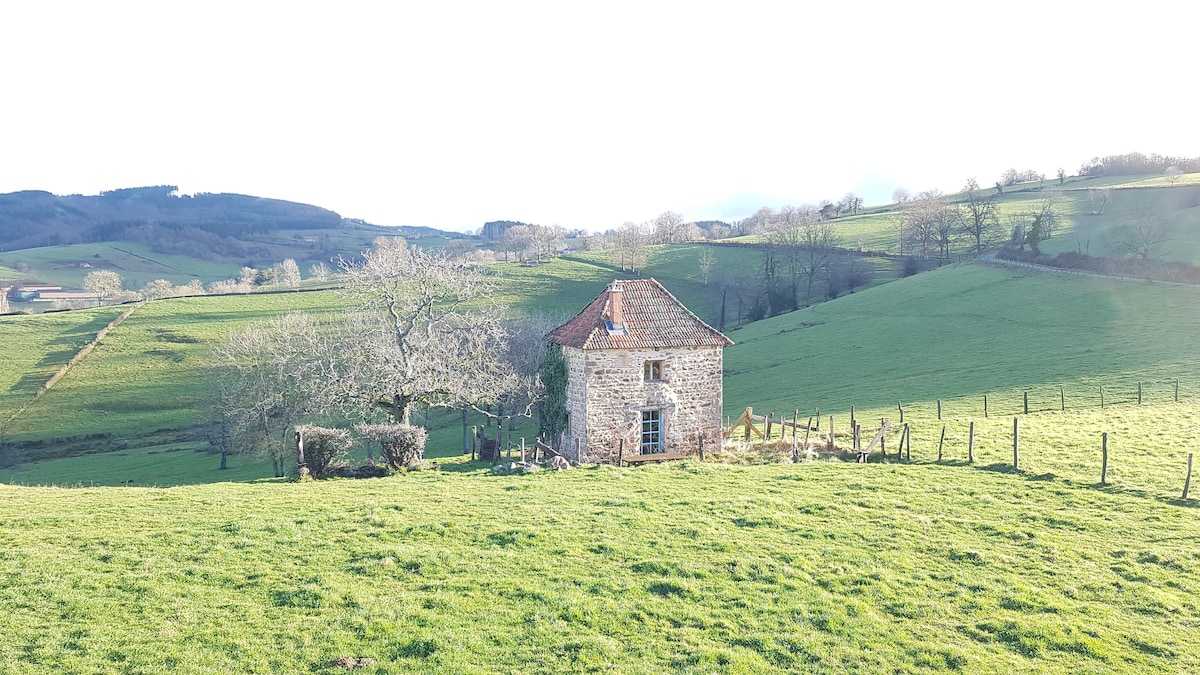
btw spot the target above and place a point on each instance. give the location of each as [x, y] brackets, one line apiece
[583, 114]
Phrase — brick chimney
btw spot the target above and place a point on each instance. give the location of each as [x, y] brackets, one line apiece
[615, 314]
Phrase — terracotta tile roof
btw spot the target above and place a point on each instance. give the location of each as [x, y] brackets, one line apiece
[648, 316]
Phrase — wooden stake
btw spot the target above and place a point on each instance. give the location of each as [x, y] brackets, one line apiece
[882, 438]
[818, 416]
[907, 444]
[1026, 402]
[901, 408]
[1139, 393]
[985, 406]
[854, 421]
[857, 437]
[795, 428]
[1016, 446]
[770, 422]
[831, 433]
[1187, 483]
[971, 443]
[1062, 399]
[1101, 396]
[940, 441]
[620, 451]
[939, 409]
[807, 431]
[1104, 458]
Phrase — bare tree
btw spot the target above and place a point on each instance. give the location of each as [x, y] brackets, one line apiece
[545, 239]
[1145, 235]
[1062, 175]
[1173, 174]
[707, 261]
[850, 202]
[980, 215]
[287, 273]
[319, 271]
[267, 380]
[630, 246]
[668, 228]
[414, 340]
[919, 218]
[900, 195]
[1099, 199]
[516, 239]
[104, 283]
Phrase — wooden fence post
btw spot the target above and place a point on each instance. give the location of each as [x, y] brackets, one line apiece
[939, 409]
[620, 451]
[1026, 395]
[1101, 397]
[1104, 458]
[1187, 483]
[1016, 446]
[940, 441]
[901, 408]
[854, 421]
[749, 422]
[882, 438]
[1139, 393]
[857, 437]
[971, 443]
[831, 433]
[807, 431]
[795, 429]
[770, 422]
[985, 406]
[907, 444]
[1062, 399]
[818, 416]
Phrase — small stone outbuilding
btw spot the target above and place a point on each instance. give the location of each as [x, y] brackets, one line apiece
[642, 368]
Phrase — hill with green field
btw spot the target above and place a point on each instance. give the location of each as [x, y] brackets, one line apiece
[924, 562]
[156, 233]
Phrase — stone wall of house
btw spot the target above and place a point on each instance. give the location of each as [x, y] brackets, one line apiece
[573, 441]
[607, 394]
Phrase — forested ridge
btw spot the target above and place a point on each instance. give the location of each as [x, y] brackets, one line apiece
[39, 218]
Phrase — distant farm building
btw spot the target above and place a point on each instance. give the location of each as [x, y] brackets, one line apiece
[644, 376]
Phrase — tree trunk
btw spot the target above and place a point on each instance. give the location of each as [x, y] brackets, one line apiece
[224, 459]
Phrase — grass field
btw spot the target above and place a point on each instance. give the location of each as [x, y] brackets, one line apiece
[967, 330]
[827, 568]
[824, 566]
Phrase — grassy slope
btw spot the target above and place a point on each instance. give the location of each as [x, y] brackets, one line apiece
[963, 331]
[148, 373]
[695, 568]
[1179, 206]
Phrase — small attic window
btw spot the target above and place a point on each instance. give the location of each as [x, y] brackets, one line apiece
[614, 329]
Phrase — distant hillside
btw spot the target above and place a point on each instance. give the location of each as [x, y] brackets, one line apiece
[160, 216]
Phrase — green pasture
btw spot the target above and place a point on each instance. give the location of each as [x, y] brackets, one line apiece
[185, 463]
[136, 263]
[33, 348]
[147, 375]
[967, 330]
[821, 567]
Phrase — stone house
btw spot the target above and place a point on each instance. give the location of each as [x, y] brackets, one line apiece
[642, 368]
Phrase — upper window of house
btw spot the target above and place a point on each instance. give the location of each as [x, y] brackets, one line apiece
[653, 370]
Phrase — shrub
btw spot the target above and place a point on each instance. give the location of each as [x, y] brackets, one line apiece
[401, 446]
[323, 448]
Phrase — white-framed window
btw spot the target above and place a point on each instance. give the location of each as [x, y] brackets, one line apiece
[652, 371]
[651, 431]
